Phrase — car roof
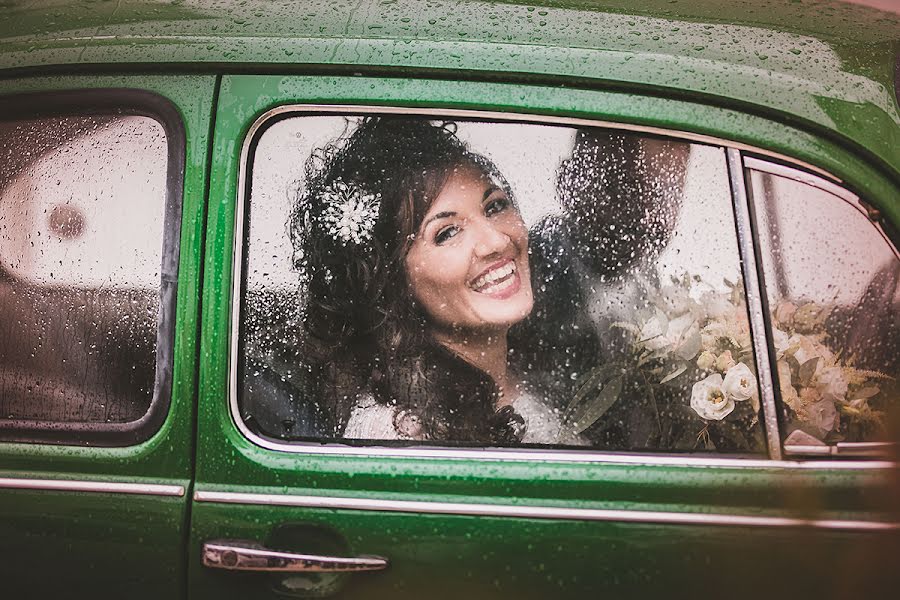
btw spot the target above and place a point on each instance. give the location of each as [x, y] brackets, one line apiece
[822, 65]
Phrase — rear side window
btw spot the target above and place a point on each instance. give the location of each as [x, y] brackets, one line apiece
[86, 276]
[833, 288]
[412, 280]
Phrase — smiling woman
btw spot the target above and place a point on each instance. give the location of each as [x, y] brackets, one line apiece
[425, 269]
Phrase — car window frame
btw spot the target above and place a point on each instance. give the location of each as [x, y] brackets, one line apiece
[118, 102]
[751, 270]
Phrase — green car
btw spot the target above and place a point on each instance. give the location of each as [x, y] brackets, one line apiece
[400, 299]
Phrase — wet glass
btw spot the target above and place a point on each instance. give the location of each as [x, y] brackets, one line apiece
[635, 337]
[82, 206]
[833, 285]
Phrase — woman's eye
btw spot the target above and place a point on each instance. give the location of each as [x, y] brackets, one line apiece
[496, 205]
[445, 234]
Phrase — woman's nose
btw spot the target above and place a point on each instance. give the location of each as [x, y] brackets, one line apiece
[491, 240]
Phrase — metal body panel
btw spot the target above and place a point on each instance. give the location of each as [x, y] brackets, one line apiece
[827, 69]
[101, 515]
[516, 524]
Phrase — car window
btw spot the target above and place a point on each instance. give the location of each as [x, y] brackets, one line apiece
[82, 211]
[409, 280]
[832, 287]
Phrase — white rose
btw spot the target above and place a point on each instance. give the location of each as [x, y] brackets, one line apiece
[706, 360]
[739, 383]
[725, 361]
[709, 400]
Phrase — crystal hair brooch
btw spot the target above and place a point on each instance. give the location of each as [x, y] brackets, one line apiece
[350, 213]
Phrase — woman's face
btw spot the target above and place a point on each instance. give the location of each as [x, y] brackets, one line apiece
[468, 264]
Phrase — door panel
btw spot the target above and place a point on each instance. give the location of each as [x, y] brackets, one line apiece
[94, 503]
[498, 523]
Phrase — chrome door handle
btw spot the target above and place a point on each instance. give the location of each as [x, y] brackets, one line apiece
[240, 555]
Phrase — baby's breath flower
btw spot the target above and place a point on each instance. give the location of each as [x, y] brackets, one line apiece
[350, 213]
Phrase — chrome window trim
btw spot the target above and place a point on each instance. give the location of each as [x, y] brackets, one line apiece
[539, 512]
[756, 164]
[878, 449]
[872, 214]
[85, 485]
[753, 287]
[479, 454]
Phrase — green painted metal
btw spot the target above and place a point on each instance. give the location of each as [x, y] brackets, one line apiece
[821, 65]
[509, 557]
[812, 80]
[132, 543]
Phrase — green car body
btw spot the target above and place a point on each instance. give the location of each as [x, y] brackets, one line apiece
[814, 82]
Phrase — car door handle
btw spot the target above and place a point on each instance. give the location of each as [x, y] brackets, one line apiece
[241, 555]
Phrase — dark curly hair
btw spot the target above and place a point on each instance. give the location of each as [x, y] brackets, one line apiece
[362, 324]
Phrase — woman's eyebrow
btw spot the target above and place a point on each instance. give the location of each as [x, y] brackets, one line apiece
[440, 215]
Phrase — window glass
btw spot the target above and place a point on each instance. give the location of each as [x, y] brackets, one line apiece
[413, 281]
[832, 285]
[82, 206]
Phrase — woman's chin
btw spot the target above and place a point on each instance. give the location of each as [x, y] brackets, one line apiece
[506, 311]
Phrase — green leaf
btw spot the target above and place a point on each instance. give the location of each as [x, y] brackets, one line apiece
[808, 370]
[866, 392]
[594, 377]
[678, 371]
[587, 407]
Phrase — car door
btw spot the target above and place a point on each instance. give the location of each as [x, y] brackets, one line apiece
[102, 198]
[670, 495]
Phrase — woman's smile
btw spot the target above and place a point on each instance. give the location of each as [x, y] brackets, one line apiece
[468, 264]
[500, 280]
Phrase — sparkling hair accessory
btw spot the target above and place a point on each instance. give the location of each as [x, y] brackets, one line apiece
[350, 212]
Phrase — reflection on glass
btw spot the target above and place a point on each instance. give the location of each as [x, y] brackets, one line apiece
[415, 281]
[832, 285]
[81, 220]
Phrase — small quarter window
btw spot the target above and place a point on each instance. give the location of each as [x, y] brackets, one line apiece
[83, 203]
[410, 280]
[833, 287]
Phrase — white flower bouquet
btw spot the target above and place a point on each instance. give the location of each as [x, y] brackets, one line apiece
[689, 352]
[829, 400]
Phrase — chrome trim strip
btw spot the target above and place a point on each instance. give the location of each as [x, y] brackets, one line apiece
[756, 164]
[315, 448]
[880, 449]
[99, 487]
[521, 117]
[538, 512]
[847, 196]
[754, 300]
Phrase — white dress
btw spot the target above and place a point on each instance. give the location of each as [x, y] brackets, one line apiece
[370, 420]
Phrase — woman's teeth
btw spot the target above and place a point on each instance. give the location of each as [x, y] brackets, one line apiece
[496, 280]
